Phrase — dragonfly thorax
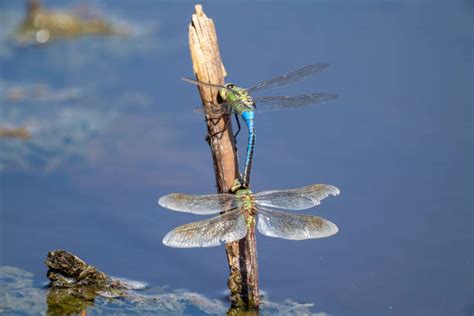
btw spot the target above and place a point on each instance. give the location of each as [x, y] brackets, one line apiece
[239, 98]
[246, 197]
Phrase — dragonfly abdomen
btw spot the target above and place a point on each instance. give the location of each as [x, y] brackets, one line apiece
[248, 117]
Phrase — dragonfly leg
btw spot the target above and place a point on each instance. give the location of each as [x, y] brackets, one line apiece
[238, 127]
[218, 114]
[214, 122]
[237, 185]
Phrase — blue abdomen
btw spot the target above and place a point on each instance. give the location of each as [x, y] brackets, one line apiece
[248, 117]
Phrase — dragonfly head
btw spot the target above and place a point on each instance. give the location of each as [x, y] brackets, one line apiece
[232, 93]
[229, 92]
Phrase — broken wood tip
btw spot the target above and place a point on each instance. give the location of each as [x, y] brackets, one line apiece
[198, 8]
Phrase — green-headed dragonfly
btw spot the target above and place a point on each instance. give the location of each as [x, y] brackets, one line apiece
[240, 212]
[241, 102]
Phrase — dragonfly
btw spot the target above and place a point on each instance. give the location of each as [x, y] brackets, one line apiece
[241, 102]
[241, 211]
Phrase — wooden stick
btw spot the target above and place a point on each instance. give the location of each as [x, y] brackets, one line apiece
[208, 67]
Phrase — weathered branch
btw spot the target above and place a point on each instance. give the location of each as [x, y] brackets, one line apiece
[208, 67]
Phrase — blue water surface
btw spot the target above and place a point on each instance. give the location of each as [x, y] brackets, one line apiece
[398, 143]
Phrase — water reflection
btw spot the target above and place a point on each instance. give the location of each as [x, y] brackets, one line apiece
[43, 123]
[53, 134]
[62, 123]
[40, 92]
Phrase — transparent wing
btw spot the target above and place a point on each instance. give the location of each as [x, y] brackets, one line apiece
[211, 232]
[289, 78]
[198, 204]
[222, 108]
[296, 199]
[291, 226]
[276, 103]
[202, 83]
[268, 104]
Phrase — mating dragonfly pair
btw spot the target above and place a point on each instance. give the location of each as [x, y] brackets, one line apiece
[241, 209]
[241, 102]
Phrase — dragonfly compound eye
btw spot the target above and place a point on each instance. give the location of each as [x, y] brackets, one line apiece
[221, 95]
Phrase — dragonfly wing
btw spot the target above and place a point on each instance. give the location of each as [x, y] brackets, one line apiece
[289, 78]
[291, 226]
[198, 204]
[210, 85]
[217, 110]
[202, 83]
[211, 232]
[268, 104]
[296, 199]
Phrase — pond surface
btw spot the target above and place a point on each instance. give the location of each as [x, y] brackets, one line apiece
[398, 143]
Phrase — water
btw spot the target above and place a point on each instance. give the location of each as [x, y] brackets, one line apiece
[397, 142]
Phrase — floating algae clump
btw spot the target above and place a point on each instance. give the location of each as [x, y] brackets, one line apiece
[14, 132]
[41, 26]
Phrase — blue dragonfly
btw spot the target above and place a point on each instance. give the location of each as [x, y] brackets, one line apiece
[241, 102]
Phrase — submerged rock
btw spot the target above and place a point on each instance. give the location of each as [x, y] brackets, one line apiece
[68, 270]
[74, 284]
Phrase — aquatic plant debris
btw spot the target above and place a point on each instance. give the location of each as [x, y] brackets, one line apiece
[21, 295]
[14, 132]
[41, 25]
[54, 134]
[24, 92]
